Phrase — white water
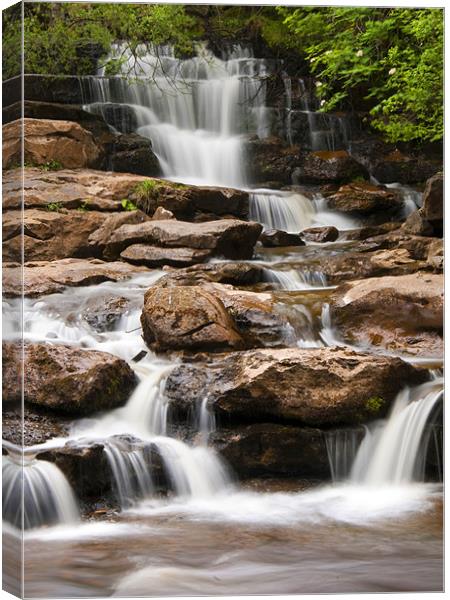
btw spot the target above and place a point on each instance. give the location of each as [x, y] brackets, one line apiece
[393, 452]
[41, 488]
[294, 279]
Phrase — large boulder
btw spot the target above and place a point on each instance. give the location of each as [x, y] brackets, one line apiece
[49, 234]
[131, 153]
[45, 140]
[433, 199]
[328, 167]
[365, 199]
[98, 238]
[187, 318]
[400, 313]
[69, 380]
[273, 450]
[229, 238]
[320, 234]
[184, 201]
[315, 387]
[43, 278]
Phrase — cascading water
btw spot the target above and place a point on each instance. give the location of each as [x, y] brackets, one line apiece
[295, 280]
[194, 111]
[39, 489]
[393, 452]
[281, 210]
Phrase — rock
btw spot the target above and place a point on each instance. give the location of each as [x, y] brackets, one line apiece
[273, 238]
[162, 214]
[132, 153]
[86, 189]
[228, 238]
[233, 273]
[53, 88]
[120, 116]
[70, 380]
[320, 234]
[314, 387]
[365, 199]
[184, 200]
[153, 256]
[400, 313]
[47, 140]
[416, 224]
[98, 239]
[254, 315]
[42, 278]
[58, 112]
[321, 167]
[187, 318]
[433, 202]
[49, 234]
[371, 230]
[32, 425]
[273, 450]
[269, 160]
[401, 168]
[435, 257]
[103, 314]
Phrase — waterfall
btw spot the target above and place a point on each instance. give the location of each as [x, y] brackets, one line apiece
[342, 447]
[41, 488]
[194, 111]
[293, 280]
[289, 212]
[393, 452]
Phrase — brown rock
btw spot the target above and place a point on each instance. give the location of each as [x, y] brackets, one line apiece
[42, 278]
[435, 257]
[321, 167]
[315, 387]
[273, 450]
[364, 199]
[99, 238]
[433, 199]
[229, 238]
[46, 140]
[320, 234]
[161, 214]
[273, 238]
[49, 235]
[416, 224]
[399, 313]
[233, 273]
[187, 318]
[153, 256]
[72, 380]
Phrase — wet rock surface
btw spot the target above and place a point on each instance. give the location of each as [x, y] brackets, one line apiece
[273, 238]
[49, 277]
[364, 199]
[70, 380]
[320, 234]
[314, 387]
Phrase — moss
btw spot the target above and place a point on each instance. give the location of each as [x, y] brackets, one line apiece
[54, 206]
[375, 404]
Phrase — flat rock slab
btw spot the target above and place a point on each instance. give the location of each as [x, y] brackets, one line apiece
[153, 256]
[68, 380]
[314, 387]
[42, 278]
[229, 238]
[365, 199]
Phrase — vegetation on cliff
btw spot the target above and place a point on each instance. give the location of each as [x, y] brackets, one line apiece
[386, 61]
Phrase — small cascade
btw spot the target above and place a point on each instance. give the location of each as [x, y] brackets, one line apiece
[206, 421]
[412, 199]
[41, 489]
[294, 280]
[394, 451]
[289, 212]
[327, 132]
[342, 447]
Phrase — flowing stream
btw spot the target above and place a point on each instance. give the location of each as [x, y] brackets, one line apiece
[197, 113]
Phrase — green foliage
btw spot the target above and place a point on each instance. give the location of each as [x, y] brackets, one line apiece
[128, 204]
[84, 206]
[390, 58]
[54, 206]
[65, 38]
[375, 404]
[51, 165]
